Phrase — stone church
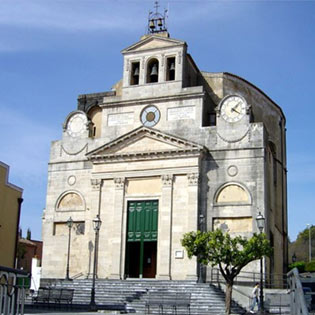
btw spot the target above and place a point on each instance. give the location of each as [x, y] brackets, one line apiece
[169, 150]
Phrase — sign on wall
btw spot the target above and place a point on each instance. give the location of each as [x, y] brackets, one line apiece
[183, 112]
[120, 119]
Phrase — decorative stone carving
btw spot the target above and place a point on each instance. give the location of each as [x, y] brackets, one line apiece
[70, 201]
[232, 170]
[75, 147]
[96, 183]
[167, 179]
[233, 137]
[193, 179]
[119, 182]
[72, 180]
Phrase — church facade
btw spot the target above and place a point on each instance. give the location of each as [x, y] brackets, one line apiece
[169, 150]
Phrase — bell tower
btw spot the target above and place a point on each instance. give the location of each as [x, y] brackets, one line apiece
[157, 21]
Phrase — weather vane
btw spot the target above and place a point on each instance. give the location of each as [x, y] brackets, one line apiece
[156, 20]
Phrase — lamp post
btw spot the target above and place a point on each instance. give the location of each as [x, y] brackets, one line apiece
[69, 224]
[293, 258]
[96, 225]
[309, 242]
[261, 224]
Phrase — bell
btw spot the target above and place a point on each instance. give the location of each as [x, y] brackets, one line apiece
[172, 67]
[160, 22]
[154, 70]
[136, 73]
[152, 25]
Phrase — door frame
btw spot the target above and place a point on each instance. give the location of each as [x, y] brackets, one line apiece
[136, 198]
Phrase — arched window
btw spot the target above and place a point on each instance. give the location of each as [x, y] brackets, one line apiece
[95, 115]
[135, 72]
[232, 193]
[70, 201]
[153, 71]
[170, 70]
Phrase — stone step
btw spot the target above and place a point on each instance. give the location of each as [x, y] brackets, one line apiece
[205, 299]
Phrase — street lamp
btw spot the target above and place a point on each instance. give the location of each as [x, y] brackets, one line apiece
[261, 224]
[69, 224]
[309, 242]
[96, 226]
[293, 258]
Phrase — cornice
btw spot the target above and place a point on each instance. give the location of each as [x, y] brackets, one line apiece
[155, 100]
[141, 156]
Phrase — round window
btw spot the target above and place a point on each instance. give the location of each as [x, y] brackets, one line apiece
[150, 116]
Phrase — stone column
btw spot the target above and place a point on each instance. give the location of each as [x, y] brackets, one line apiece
[117, 232]
[192, 219]
[165, 229]
[95, 206]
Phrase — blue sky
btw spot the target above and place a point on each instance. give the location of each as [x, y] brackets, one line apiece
[52, 51]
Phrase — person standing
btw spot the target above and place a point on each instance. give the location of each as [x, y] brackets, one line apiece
[255, 294]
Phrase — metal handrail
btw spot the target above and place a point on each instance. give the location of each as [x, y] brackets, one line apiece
[12, 294]
[298, 303]
[247, 278]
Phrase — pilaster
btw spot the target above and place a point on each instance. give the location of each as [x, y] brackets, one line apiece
[116, 252]
[95, 205]
[165, 229]
[192, 219]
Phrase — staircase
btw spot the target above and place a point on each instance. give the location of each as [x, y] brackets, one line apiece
[133, 294]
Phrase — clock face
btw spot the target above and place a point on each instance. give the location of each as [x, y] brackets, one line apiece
[233, 108]
[76, 125]
[150, 116]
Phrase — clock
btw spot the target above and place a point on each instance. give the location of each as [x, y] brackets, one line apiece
[76, 124]
[233, 108]
[150, 116]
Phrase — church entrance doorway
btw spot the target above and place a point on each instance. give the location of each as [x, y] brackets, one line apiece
[142, 233]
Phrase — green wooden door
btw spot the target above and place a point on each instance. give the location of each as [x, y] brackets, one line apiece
[142, 228]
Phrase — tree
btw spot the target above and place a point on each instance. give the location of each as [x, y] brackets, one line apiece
[28, 234]
[300, 247]
[230, 254]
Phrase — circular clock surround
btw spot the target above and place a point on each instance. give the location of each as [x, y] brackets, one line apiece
[233, 108]
[150, 116]
[76, 124]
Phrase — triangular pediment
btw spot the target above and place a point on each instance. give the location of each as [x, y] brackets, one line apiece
[153, 42]
[144, 143]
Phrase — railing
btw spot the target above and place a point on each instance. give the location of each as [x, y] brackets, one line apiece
[276, 297]
[273, 281]
[298, 303]
[12, 291]
[77, 276]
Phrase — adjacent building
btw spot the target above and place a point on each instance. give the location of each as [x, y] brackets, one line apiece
[10, 209]
[170, 149]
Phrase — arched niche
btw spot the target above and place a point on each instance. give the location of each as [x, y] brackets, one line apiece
[152, 71]
[70, 201]
[232, 193]
[95, 116]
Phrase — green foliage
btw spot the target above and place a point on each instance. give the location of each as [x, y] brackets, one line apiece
[300, 265]
[300, 247]
[21, 251]
[231, 254]
[304, 235]
[310, 266]
[28, 234]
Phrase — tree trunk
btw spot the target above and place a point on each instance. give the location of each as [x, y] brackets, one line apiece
[228, 297]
